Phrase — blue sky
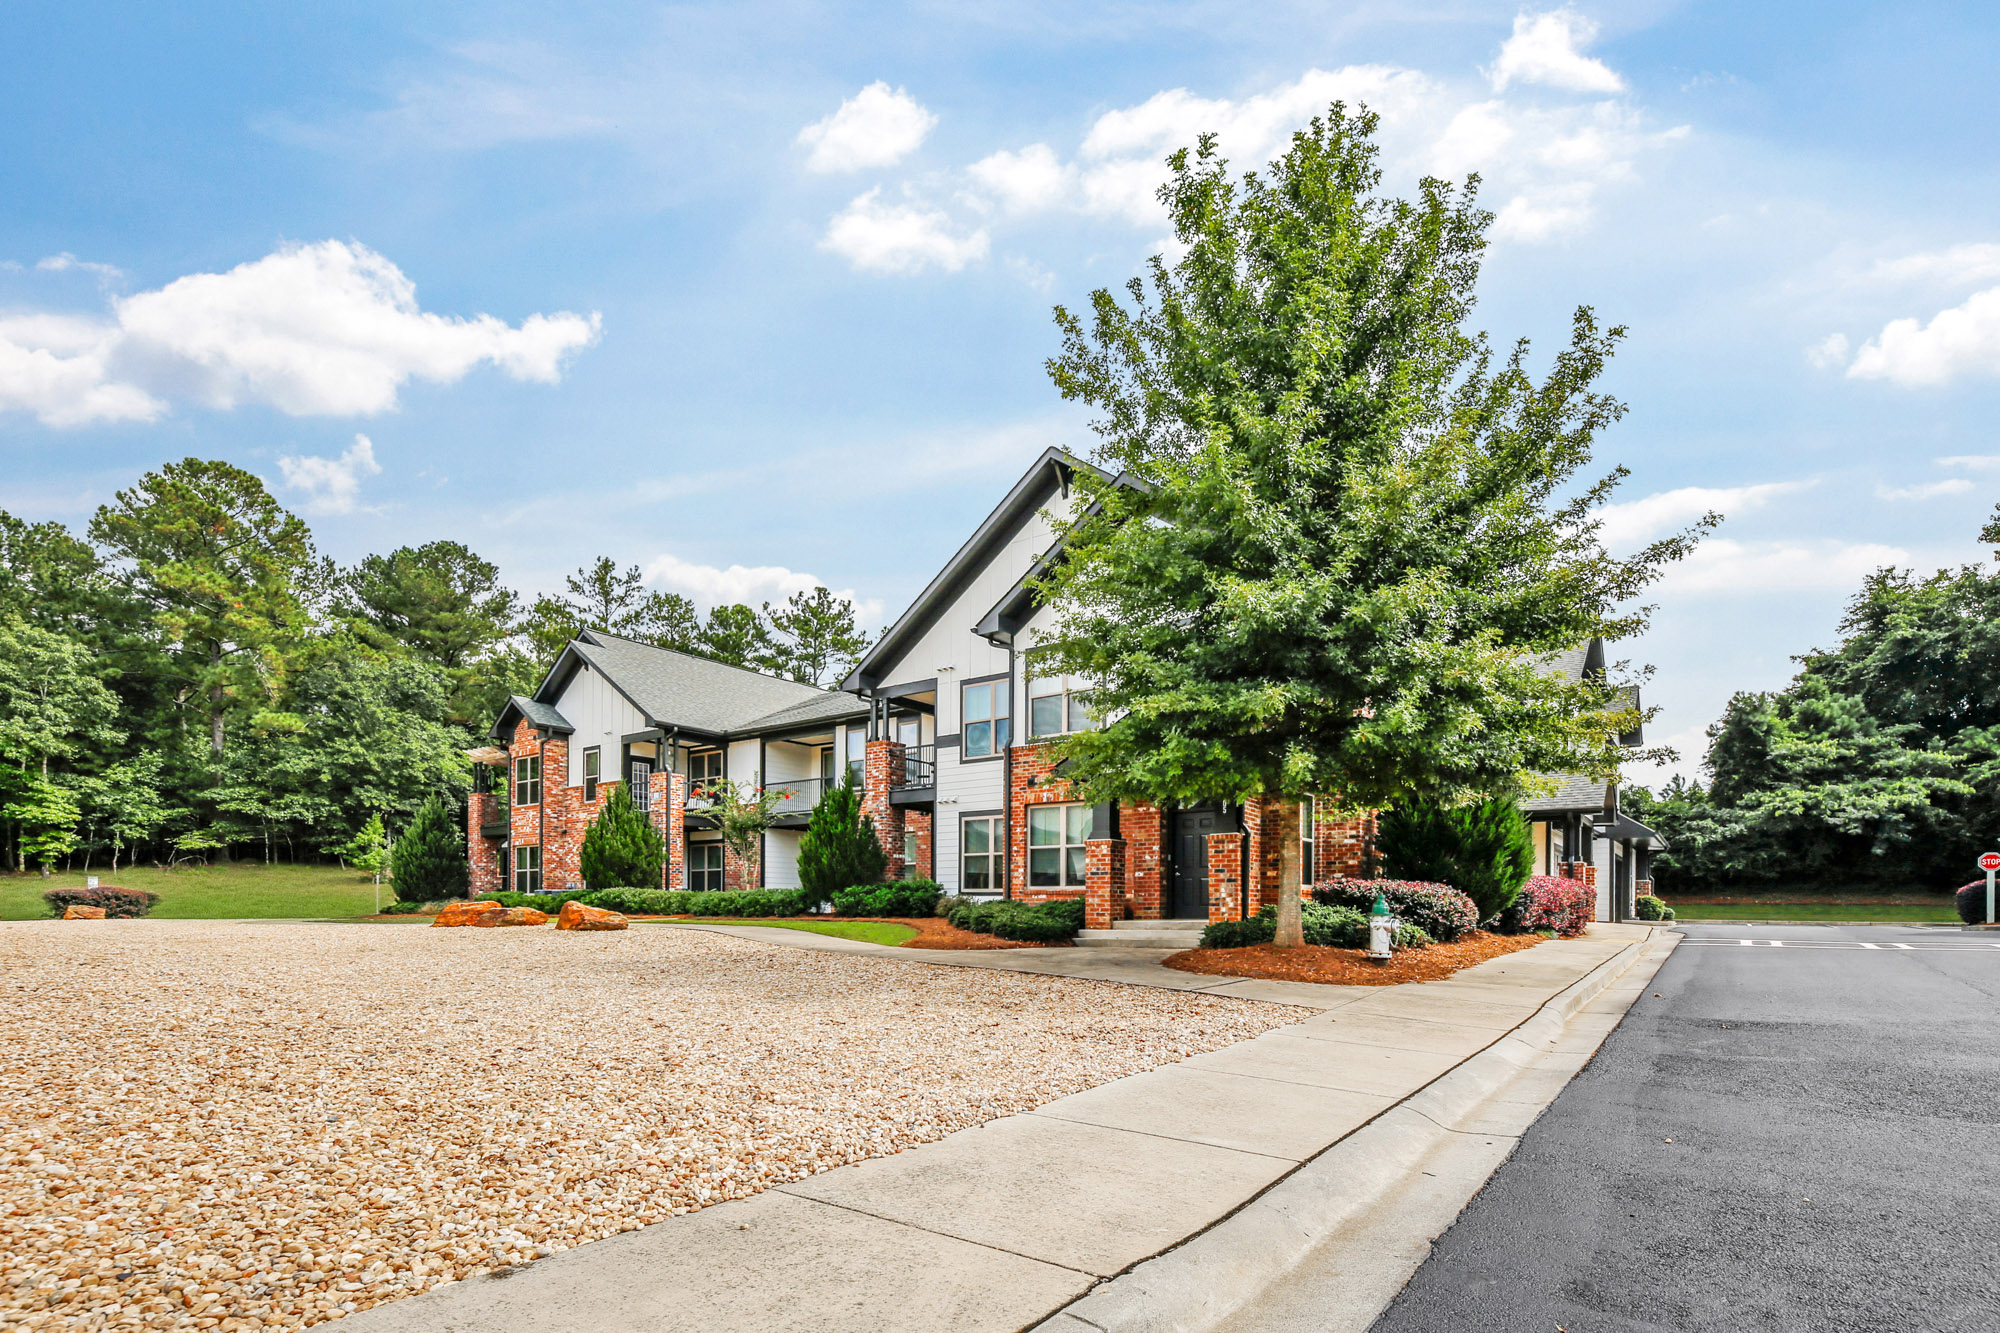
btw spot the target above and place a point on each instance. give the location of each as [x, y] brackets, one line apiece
[756, 295]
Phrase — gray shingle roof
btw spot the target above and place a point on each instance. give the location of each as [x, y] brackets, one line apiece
[537, 713]
[1573, 792]
[682, 690]
[829, 707]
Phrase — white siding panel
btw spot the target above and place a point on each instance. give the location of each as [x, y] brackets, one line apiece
[781, 848]
[601, 715]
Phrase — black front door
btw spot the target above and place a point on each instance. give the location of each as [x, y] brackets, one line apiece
[1189, 897]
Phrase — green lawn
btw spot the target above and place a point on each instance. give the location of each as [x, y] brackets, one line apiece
[872, 932]
[242, 889]
[1791, 909]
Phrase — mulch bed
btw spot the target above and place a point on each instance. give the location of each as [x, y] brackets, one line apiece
[1350, 967]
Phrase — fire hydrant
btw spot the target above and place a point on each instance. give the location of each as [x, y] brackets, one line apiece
[1381, 931]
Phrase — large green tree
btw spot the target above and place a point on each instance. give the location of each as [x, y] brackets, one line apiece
[1357, 533]
[813, 637]
[226, 573]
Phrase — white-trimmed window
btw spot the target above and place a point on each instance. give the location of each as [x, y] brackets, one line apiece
[528, 869]
[982, 854]
[1058, 711]
[593, 769]
[640, 783]
[909, 853]
[1306, 841]
[704, 767]
[1056, 835]
[857, 755]
[705, 866]
[983, 724]
[528, 780]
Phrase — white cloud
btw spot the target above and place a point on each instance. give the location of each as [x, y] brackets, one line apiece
[1964, 340]
[1539, 216]
[1828, 353]
[1977, 462]
[899, 238]
[331, 329]
[1924, 490]
[1975, 262]
[1722, 567]
[1544, 49]
[66, 261]
[707, 586]
[1635, 521]
[876, 127]
[1025, 182]
[332, 485]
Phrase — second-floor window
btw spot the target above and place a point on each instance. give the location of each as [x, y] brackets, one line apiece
[593, 759]
[1057, 713]
[983, 719]
[528, 780]
[640, 783]
[857, 754]
[704, 767]
[1056, 835]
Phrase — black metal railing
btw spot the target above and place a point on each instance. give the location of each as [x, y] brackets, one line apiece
[919, 767]
[795, 795]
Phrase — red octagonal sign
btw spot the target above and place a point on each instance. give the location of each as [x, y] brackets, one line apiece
[1990, 861]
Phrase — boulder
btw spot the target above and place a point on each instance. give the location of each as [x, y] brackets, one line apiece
[467, 914]
[515, 916]
[78, 912]
[575, 916]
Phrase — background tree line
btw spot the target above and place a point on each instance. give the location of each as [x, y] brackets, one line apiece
[191, 677]
[1877, 767]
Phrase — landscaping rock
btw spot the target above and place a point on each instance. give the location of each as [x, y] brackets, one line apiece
[575, 916]
[79, 913]
[514, 916]
[468, 914]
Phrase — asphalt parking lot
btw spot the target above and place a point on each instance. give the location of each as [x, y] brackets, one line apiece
[1795, 1133]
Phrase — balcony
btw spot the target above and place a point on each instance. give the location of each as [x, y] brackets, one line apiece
[916, 781]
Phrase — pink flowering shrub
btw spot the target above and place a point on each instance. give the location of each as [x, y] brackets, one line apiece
[1550, 902]
[1442, 911]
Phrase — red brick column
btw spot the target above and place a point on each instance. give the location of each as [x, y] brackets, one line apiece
[1580, 870]
[880, 771]
[738, 872]
[1104, 882]
[1142, 827]
[562, 812]
[1642, 888]
[669, 815]
[483, 853]
[1225, 876]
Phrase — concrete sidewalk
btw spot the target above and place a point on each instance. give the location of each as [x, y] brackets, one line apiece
[1005, 1225]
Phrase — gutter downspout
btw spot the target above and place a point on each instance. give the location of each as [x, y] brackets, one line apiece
[1006, 782]
[542, 806]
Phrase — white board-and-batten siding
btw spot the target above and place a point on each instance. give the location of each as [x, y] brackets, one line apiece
[602, 717]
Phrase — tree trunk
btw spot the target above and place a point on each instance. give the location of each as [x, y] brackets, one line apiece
[1291, 927]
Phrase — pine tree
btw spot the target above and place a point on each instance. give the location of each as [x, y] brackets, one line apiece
[621, 848]
[1485, 851]
[429, 860]
[839, 849]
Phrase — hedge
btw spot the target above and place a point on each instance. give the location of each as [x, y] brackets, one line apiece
[915, 897]
[1972, 903]
[1039, 923]
[1331, 927]
[1649, 908]
[116, 902]
[1551, 902]
[1441, 911]
[664, 902]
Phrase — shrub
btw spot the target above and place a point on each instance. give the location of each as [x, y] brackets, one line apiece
[1330, 927]
[1649, 908]
[1440, 910]
[1972, 903]
[915, 897]
[1411, 937]
[1550, 902]
[428, 862]
[541, 902]
[1484, 851]
[621, 848]
[1258, 929]
[1038, 923]
[116, 902]
[839, 848]
[401, 908]
[685, 902]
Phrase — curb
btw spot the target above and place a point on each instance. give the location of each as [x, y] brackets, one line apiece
[1215, 1272]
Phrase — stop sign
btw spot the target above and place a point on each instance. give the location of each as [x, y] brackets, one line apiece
[1990, 861]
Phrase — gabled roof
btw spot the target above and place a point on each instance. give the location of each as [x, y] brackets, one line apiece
[533, 712]
[1018, 605]
[1049, 474]
[1574, 793]
[678, 690]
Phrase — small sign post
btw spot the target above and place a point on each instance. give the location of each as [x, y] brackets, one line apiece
[1989, 862]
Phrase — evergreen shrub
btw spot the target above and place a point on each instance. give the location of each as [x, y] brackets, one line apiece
[686, 902]
[1550, 902]
[914, 897]
[621, 848]
[1971, 903]
[428, 862]
[1442, 911]
[1649, 908]
[1039, 923]
[839, 849]
[116, 902]
[1329, 927]
[1485, 851]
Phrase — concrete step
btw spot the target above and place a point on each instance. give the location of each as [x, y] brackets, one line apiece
[1194, 924]
[1171, 941]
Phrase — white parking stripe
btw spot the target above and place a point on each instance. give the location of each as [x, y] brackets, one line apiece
[1866, 945]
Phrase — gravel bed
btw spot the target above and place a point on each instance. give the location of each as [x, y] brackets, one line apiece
[267, 1125]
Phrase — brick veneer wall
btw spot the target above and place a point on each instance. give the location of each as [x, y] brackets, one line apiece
[669, 815]
[1343, 844]
[481, 851]
[1143, 831]
[881, 768]
[567, 813]
[1104, 881]
[1136, 889]
[919, 822]
[739, 872]
[1032, 785]
[1225, 876]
